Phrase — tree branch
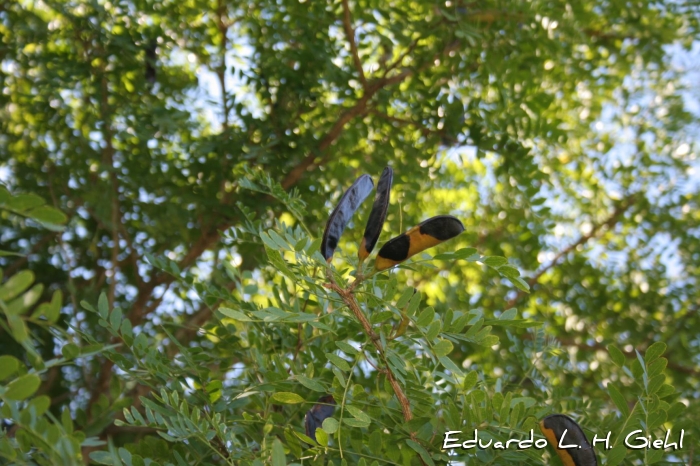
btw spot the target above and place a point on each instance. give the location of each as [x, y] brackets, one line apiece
[360, 108]
[132, 256]
[108, 161]
[209, 237]
[221, 70]
[297, 172]
[691, 371]
[401, 57]
[350, 33]
[612, 220]
[349, 299]
[13, 267]
[115, 217]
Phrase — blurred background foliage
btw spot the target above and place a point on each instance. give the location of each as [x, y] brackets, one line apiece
[144, 145]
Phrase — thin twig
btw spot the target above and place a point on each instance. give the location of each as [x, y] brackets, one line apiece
[132, 256]
[108, 161]
[359, 109]
[640, 349]
[349, 299]
[612, 220]
[221, 69]
[350, 33]
[22, 261]
[401, 57]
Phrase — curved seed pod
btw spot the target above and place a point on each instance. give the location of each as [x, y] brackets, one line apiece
[341, 215]
[378, 214]
[317, 414]
[427, 234]
[562, 430]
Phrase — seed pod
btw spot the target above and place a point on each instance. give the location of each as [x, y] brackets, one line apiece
[427, 234]
[377, 215]
[318, 413]
[341, 215]
[561, 429]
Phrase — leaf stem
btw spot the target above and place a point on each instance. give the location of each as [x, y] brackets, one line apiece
[348, 297]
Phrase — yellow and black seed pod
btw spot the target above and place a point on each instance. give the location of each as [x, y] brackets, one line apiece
[427, 234]
[562, 430]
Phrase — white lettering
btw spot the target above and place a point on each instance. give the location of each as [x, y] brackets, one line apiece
[447, 438]
[561, 446]
[484, 447]
[468, 444]
[523, 444]
[633, 446]
[681, 439]
[666, 442]
[605, 440]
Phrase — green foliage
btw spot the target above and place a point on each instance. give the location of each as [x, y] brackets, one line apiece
[246, 419]
[16, 296]
[38, 437]
[288, 353]
[33, 207]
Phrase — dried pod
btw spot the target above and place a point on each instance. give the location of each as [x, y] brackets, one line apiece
[427, 234]
[318, 413]
[343, 212]
[377, 215]
[560, 428]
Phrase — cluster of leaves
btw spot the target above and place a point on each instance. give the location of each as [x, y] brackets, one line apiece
[658, 404]
[32, 207]
[17, 295]
[246, 419]
[38, 437]
[303, 343]
[326, 352]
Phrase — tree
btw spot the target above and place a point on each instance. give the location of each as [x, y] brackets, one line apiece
[197, 149]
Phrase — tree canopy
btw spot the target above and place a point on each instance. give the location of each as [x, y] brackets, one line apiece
[167, 169]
